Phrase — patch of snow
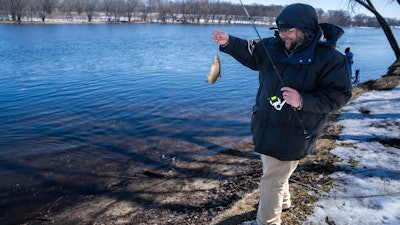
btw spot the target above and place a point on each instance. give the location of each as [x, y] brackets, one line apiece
[367, 191]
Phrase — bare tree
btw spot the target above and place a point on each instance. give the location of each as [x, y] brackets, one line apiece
[90, 6]
[16, 8]
[146, 9]
[158, 10]
[130, 8]
[164, 10]
[67, 7]
[339, 17]
[360, 19]
[184, 9]
[45, 8]
[79, 6]
[383, 23]
[3, 14]
[113, 9]
[109, 7]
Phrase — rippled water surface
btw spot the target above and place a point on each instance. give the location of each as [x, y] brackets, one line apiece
[78, 102]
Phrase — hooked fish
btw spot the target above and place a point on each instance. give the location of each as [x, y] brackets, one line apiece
[215, 72]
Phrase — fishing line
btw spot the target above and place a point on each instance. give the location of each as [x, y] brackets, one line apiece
[274, 66]
[265, 47]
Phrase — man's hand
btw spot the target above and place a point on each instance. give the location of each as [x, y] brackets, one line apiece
[220, 37]
[292, 97]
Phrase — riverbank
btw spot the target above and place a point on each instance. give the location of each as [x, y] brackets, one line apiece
[218, 189]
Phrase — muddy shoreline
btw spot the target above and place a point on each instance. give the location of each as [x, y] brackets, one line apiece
[217, 189]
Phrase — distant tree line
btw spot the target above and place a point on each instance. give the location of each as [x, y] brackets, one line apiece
[162, 11]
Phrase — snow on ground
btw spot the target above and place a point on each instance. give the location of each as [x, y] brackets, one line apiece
[367, 191]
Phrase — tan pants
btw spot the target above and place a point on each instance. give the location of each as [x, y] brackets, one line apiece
[274, 189]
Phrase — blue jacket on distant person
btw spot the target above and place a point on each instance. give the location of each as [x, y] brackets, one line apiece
[349, 57]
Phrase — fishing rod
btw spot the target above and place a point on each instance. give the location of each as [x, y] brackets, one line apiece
[279, 105]
[265, 47]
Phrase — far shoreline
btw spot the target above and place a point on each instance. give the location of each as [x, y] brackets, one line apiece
[136, 22]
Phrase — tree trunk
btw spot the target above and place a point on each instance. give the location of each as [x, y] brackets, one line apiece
[386, 28]
[389, 34]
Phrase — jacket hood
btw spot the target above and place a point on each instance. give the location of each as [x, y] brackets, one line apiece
[331, 34]
[300, 16]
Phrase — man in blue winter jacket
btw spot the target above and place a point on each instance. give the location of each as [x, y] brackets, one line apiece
[302, 79]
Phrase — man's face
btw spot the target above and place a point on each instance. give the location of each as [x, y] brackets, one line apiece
[289, 37]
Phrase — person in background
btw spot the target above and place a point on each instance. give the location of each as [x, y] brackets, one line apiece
[305, 79]
[349, 56]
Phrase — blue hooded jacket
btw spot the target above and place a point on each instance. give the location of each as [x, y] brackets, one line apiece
[318, 71]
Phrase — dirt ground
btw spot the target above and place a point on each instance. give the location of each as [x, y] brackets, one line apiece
[220, 189]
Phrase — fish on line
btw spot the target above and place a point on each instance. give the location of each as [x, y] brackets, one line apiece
[215, 72]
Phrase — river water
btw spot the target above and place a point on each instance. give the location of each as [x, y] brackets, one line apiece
[78, 102]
